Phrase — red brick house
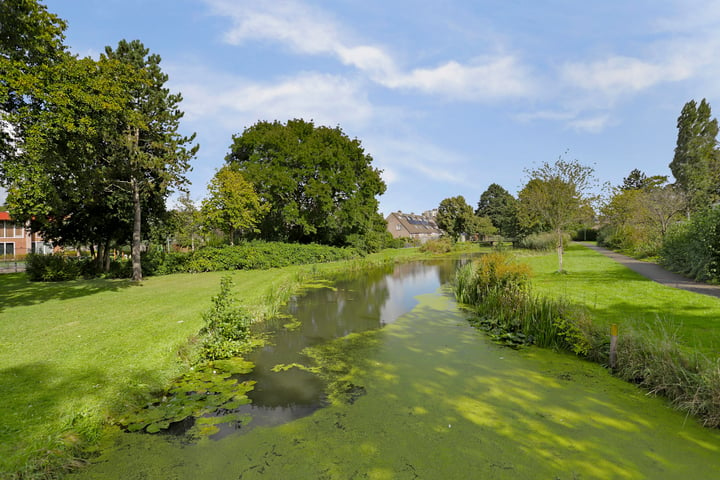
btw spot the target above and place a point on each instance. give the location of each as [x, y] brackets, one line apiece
[17, 241]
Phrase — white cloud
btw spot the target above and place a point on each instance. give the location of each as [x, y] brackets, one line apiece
[408, 156]
[235, 102]
[619, 75]
[309, 30]
[494, 78]
[592, 124]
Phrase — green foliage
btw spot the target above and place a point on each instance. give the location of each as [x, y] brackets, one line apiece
[555, 198]
[635, 220]
[227, 325]
[51, 268]
[455, 216]
[501, 207]
[439, 245]
[585, 234]
[696, 164]
[498, 291]
[204, 393]
[693, 247]
[545, 241]
[232, 205]
[320, 184]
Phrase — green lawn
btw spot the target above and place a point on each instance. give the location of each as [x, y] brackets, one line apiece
[71, 353]
[616, 294]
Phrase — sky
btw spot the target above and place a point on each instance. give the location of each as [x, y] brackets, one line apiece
[447, 97]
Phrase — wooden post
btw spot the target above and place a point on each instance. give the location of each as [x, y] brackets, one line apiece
[613, 345]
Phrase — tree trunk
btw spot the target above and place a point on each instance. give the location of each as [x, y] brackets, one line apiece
[106, 257]
[136, 236]
[560, 251]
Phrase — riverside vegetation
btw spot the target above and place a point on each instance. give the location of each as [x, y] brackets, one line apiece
[652, 354]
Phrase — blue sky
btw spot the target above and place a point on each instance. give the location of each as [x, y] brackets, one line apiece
[448, 97]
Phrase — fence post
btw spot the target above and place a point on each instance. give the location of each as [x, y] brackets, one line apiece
[613, 345]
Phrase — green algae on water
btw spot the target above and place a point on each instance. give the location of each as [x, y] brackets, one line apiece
[199, 393]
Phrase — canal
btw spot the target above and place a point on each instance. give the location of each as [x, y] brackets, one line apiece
[399, 386]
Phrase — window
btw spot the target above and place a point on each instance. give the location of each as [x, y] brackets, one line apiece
[10, 230]
[7, 249]
[42, 248]
[398, 227]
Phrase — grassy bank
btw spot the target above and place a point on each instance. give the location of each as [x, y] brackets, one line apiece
[615, 294]
[73, 353]
[668, 336]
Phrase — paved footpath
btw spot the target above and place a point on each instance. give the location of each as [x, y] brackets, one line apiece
[657, 273]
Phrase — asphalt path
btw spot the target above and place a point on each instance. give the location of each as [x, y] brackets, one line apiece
[657, 273]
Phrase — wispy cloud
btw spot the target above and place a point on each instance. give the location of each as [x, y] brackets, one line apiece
[235, 102]
[619, 75]
[309, 30]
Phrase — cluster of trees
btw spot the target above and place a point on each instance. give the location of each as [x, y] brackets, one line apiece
[556, 198]
[291, 182]
[677, 222]
[644, 216]
[90, 151]
[90, 148]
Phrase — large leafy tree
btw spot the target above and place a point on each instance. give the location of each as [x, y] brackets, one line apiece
[456, 217]
[696, 163]
[100, 156]
[60, 178]
[232, 205]
[321, 185]
[555, 197]
[501, 207]
[31, 40]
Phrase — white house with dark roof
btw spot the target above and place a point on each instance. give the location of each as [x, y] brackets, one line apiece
[415, 227]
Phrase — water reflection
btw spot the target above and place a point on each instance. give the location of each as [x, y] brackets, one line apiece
[356, 303]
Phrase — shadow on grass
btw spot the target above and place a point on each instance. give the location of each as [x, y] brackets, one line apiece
[16, 290]
[47, 412]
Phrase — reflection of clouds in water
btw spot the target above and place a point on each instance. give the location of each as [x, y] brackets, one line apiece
[405, 283]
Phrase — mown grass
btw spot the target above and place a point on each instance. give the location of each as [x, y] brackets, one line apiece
[73, 354]
[616, 294]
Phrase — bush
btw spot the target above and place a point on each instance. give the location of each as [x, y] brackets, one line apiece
[546, 241]
[440, 245]
[693, 248]
[51, 268]
[227, 325]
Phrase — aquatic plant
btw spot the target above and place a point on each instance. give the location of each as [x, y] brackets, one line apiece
[200, 393]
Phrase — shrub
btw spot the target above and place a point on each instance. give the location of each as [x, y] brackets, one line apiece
[693, 248]
[227, 325]
[440, 245]
[51, 268]
[543, 241]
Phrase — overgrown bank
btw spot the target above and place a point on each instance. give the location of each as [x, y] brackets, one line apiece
[499, 292]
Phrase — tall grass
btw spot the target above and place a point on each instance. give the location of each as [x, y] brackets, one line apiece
[498, 291]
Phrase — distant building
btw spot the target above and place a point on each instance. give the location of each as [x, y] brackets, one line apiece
[420, 228]
[16, 240]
